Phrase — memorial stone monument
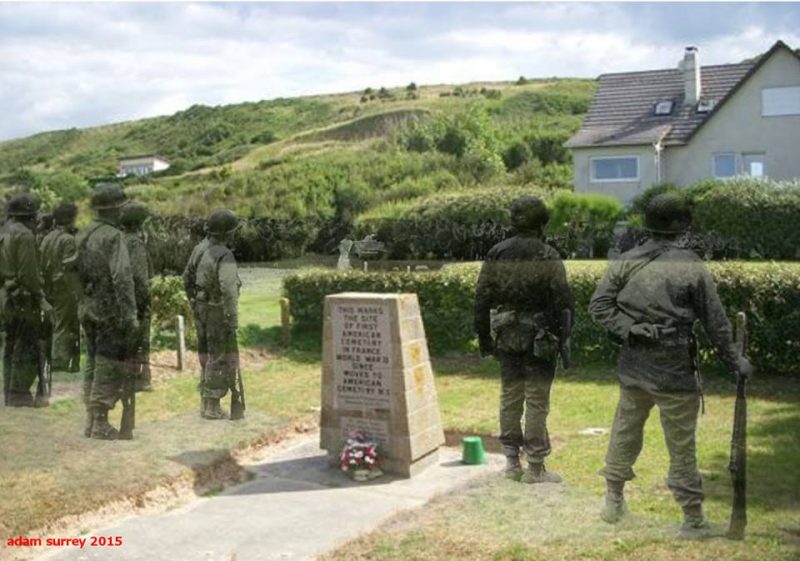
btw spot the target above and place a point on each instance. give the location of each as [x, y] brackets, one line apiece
[377, 378]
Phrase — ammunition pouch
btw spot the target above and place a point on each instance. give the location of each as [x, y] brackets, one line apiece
[523, 333]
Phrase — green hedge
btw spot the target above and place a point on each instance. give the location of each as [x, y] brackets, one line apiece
[769, 293]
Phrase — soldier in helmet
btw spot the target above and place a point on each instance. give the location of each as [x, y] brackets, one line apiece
[216, 303]
[107, 307]
[24, 304]
[520, 298]
[133, 218]
[649, 300]
[62, 288]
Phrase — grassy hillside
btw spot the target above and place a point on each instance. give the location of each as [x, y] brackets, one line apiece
[322, 159]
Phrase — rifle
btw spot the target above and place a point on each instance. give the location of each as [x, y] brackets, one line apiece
[237, 397]
[44, 388]
[738, 461]
[128, 422]
[564, 349]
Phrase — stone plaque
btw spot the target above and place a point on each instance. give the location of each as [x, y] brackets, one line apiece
[362, 362]
[377, 378]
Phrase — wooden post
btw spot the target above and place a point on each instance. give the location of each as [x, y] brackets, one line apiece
[181, 331]
[365, 266]
[286, 322]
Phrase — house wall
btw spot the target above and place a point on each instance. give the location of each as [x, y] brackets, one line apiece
[739, 127]
[141, 166]
[625, 191]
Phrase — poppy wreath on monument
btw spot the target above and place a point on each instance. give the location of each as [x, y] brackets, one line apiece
[359, 458]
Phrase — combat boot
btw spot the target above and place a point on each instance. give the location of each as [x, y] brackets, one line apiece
[536, 473]
[213, 411]
[87, 430]
[101, 429]
[615, 507]
[695, 526]
[513, 469]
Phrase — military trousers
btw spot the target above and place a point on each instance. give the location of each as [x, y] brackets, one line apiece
[20, 359]
[202, 340]
[106, 366]
[65, 345]
[525, 389]
[139, 353]
[218, 340]
[678, 411]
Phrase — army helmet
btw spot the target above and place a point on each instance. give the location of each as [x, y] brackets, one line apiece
[134, 215]
[107, 196]
[22, 204]
[222, 222]
[668, 213]
[65, 213]
[529, 214]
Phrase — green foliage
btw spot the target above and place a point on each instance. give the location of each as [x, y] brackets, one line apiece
[168, 300]
[769, 293]
[585, 220]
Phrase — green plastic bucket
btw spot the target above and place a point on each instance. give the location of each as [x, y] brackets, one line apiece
[472, 450]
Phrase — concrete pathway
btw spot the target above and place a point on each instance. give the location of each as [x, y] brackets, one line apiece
[295, 508]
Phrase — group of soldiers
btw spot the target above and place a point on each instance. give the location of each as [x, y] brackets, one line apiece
[98, 280]
[649, 301]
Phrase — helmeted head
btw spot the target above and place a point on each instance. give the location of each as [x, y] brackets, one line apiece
[108, 196]
[23, 206]
[667, 214]
[133, 216]
[65, 214]
[222, 223]
[529, 214]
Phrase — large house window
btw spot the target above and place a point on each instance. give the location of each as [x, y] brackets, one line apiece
[753, 165]
[615, 168]
[724, 164]
[780, 101]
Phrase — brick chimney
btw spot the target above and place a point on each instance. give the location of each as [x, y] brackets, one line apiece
[690, 66]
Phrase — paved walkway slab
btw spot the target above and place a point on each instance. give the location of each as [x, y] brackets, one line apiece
[295, 508]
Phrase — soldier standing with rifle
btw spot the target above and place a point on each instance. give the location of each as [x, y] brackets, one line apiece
[62, 289]
[523, 307]
[216, 304]
[649, 301]
[133, 219]
[107, 312]
[25, 310]
[190, 286]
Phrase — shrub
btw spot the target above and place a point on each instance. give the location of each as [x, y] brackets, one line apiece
[168, 300]
[768, 293]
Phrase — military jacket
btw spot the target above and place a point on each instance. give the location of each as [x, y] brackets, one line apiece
[140, 267]
[217, 281]
[104, 268]
[662, 284]
[56, 247]
[190, 272]
[523, 274]
[20, 269]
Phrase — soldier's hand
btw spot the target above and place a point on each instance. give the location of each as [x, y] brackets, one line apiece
[645, 330]
[486, 348]
[744, 368]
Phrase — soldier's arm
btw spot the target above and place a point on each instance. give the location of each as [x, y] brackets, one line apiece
[27, 259]
[559, 285]
[119, 265]
[483, 303]
[229, 288]
[711, 314]
[603, 305]
[189, 276]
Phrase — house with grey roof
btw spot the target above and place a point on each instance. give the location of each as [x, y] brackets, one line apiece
[690, 123]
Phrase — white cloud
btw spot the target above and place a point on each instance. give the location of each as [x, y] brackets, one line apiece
[65, 65]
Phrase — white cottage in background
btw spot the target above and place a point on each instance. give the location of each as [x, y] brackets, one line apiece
[141, 165]
[687, 124]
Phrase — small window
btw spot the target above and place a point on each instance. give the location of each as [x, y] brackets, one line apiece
[663, 108]
[706, 105]
[753, 165]
[724, 165]
[776, 102]
[623, 168]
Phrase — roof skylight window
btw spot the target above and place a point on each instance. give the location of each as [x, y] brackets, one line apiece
[706, 105]
[663, 108]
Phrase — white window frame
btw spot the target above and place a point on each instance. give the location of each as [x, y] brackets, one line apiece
[775, 88]
[746, 169]
[714, 165]
[593, 179]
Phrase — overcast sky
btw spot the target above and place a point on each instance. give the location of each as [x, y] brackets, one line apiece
[76, 65]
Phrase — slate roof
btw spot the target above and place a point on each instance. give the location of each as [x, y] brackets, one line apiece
[622, 111]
